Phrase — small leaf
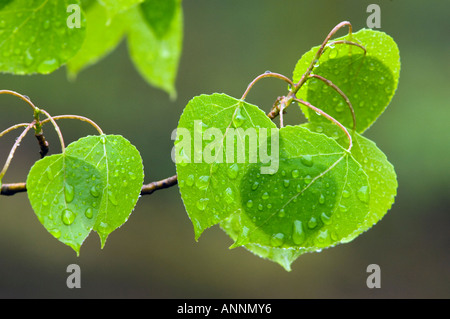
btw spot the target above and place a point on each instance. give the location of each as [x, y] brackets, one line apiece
[121, 169]
[159, 15]
[58, 189]
[102, 36]
[156, 56]
[368, 81]
[35, 37]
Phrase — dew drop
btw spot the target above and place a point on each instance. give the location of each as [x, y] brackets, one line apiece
[89, 213]
[112, 198]
[281, 213]
[56, 233]
[255, 186]
[238, 118]
[265, 195]
[94, 191]
[298, 235]
[202, 182]
[333, 52]
[250, 203]
[312, 223]
[49, 174]
[68, 217]
[307, 179]
[307, 160]
[229, 195]
[233, 171]
[277, 240]
[190, 180]
[69, 192]
[319, 129]
[325, 219]
[321, 199]
[346, 193]
[286, 183]
[202, 203]
[260, 207]
[295, 173]
[47, 66]
[363, 194]
[45, 202]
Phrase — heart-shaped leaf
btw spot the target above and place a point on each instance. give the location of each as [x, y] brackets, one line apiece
[59, 190]
[368, 80]
[122, 173]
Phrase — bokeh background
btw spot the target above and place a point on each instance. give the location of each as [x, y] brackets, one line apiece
[227, 44]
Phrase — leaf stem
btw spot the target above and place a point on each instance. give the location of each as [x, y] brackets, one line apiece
[14, 148]
[58, 131]
[342, 94]
[76, 117]
[21, 96]
[154, 186]
[329, 117]
[266, 75]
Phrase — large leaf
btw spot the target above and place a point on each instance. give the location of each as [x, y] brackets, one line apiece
[35, 37]
[121, 169]
[369, 81]
[114, 7]
[59, 190]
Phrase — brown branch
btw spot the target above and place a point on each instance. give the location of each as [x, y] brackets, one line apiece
[12, 189]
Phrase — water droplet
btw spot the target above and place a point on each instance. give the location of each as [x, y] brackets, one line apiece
[277, 240]
[260, 207]
[281, 213]
[238, 118]
[346, 193]
[45, 202]
[361, 104]
[363, 194]
[307, 160]
[307, 179]
[202, 182]
[202, 203]
[321, 199]
[333, 52]
[298, 235]
[322, 237]
[68, 217]
[286, 183]
[312, 223]
[255, 186]
[233, 171]
[112, 198]
[343, 208]
[55, 232]
[89, 213]
[295, 173]
[250, 203]
[94, 191]
[319, 129]
[325, 219]
[265, 195]
[69, 192]
[190, 180]
[46, 24]
[229, 195]
[381, 80]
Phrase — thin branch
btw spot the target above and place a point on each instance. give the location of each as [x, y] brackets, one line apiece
[21, 96]
[11, 189]
[58, 131]
[154, 186]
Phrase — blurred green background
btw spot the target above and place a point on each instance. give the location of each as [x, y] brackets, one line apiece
[227, 44]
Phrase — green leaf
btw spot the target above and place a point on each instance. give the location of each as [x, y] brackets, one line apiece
[209, 186]
[35, 37]
[155, 55]
[116, 6]
[102, 36]
[369, 81]
[121, 169]
[59, 192]
[382, 177]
